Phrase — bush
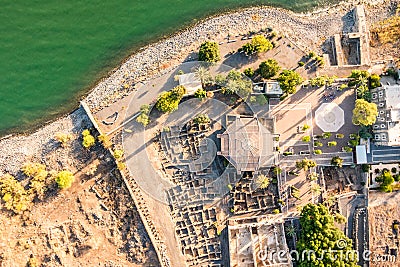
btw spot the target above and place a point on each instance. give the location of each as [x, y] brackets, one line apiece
[209, 52]
[318, 152]
[353, 143]
[326, 135]
[63, 138]
[394, 170]
[306, 138]
[88, 139]
[276, 211]
[332, 143]
[249, 72]
[143, 119]
[105, 141]
[347, 149]
[64, 179]
[200, 93]
[287, 153]
[118, 154]
[312, 54]
[305, 127]
[301, 63]
[318, 144]
[201, 119]
[339, 136]
[337, 161]
[365, 167]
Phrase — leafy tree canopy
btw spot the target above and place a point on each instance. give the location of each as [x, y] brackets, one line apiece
[289, 80]
[64, 179]
[169, 101]
[269, 68]
[258, 44]
[209, 52]
[319, 235]
[364, 113]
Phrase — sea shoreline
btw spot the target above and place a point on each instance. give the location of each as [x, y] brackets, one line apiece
[146, 63]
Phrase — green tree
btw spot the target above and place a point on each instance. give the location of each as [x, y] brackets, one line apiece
[337, 161]
[269, 68]
[169, 101]
[203, 74]
[306, 138]
[64, 179]
[364, 113]
[359, 77]
[319, 235]
[236, 83]
[258, 44]
[209, 52]
[386, 181]
[289, 80]
[13, 194]
[88, 139]
[144, 117]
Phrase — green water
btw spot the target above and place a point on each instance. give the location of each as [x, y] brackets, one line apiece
[51, 52]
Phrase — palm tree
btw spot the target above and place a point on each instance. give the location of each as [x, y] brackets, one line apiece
[262, 181]
[203, 74]
[291, 231]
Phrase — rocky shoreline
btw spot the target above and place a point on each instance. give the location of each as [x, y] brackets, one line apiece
[307, 30]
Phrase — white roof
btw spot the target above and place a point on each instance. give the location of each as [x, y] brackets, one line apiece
[361, 154]
[392, 96]
[190, 82]
[273, 88]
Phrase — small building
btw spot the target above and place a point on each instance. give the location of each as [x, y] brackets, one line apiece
[271, 88]
[387, 126]
[247, 143]
[190, 82]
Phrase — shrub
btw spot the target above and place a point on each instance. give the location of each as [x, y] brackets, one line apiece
[118, 154]
[337, 161]
[353, 143]
[169, 101]
[200, 93]
[312, 54]
[326, 135]
[339, 136]
[301, 63]
[64, 179]
[258, 44]
[209, 52]
[143, 119]
[287, 153]
[365, 167]
[305, 127]
[393, 170]
[306, 138]
[121, 166]
[63, 138]
[201, 119]
[249, 72]
[347, 149]
[13, 194]
[396, 177]
[318, 144]
[305, 164]
[318, 152]
[332, 143]
[32, 169]
[105, 141]
[88, 139]
[276, 211]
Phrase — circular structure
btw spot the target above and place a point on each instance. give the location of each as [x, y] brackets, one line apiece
[329, 117]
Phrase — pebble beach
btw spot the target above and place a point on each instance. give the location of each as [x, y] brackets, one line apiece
[307, 30]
